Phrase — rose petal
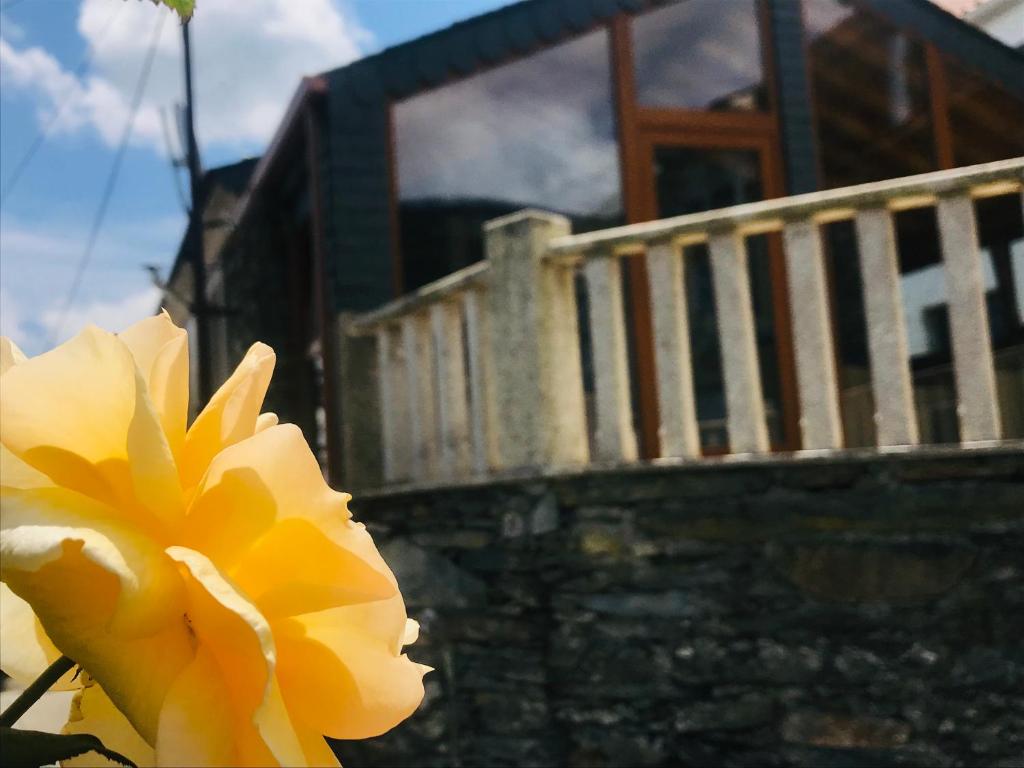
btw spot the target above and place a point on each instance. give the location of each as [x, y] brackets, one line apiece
[318, 751]
[10, 355]
[16, 474]
[160, 349]
[265, 515]
[196, 721]
[81, 415]
[240, 641]
[341, 672]
[231, 414]
[94, 713]
[265, 421]
[25, 650]
[74, 597]
[41, 526]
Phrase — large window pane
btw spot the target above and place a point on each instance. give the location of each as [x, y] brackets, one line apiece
[870, 87]
[700, 54]
[538, 132]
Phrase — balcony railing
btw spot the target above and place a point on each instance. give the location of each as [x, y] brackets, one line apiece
[481, 372]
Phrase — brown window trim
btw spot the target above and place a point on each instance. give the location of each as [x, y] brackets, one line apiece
[655, 118]
[938, 98]
[638, 127]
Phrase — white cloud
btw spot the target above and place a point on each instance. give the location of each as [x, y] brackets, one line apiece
[37, 266]
[13, 322]
[249, 57]
[539, 132]
[37, 335]
[35, 331]
[112, 315]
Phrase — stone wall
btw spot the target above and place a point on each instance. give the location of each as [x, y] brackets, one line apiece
[867, 610]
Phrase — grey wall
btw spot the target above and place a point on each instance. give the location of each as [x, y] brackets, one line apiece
[867, 611]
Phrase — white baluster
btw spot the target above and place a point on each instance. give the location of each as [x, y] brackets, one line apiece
[385, 386]
[978, 403]
[748, 429]
[678, 432]
[422, 427]
[895, 420]
[616, 439]
[482, 411]
[820, 424]
[450, 386]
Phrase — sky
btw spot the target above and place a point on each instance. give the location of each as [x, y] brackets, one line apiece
[69, 69]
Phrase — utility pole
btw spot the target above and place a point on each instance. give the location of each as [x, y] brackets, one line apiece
[200, 310]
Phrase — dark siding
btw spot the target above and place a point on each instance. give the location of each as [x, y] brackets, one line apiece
[356, 162]
[973, 47]
[796, 115]
[357, 192]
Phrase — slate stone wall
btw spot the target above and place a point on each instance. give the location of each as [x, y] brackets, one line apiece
[858, 611]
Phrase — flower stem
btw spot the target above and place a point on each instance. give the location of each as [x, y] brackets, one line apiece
[33, 693]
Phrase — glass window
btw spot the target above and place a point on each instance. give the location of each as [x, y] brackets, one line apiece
[700, 54]
[987, 122]
[538, 132]
[691, 180]
[870, 88]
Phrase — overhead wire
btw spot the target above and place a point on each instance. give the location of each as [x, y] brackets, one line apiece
[44, 130]
[173, 162]
[108, 189]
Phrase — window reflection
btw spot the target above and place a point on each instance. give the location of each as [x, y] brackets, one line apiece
[987, 122]
[537, 132]
[700, 54]
[870, 89]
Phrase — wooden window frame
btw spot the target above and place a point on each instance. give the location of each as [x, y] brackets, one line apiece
[639, 128]
[705, 128]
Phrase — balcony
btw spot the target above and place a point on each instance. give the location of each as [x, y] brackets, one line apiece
[481, 374]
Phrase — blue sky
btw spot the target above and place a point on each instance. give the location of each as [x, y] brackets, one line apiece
[249, 56]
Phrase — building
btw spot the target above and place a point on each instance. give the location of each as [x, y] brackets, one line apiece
[613, 111]
[797, 225]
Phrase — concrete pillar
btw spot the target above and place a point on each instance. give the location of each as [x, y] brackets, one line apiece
[744, 400]
[482, 410]
[678, 433]
[615, 438]
[977, 400]
[452, 400]
[820, 424]
[895, 420]
[420, 429]
[363, 384]
[538, 379]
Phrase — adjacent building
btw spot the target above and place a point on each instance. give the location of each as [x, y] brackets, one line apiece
[383, 172]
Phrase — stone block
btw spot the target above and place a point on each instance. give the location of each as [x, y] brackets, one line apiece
[871, 570]
[831, 730]
[749, 712]
[430, 580]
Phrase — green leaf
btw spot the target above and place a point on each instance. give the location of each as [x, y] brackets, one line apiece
[183, 8]
[31, 749]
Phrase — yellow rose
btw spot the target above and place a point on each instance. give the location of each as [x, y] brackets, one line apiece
[225, 606]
